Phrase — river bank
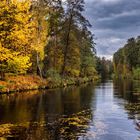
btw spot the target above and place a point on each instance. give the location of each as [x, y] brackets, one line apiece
[32, 82]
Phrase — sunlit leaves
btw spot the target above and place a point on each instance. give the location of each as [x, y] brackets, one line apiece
[19, 64]
[16, 28]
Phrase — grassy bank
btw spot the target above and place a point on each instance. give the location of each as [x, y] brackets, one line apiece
[31, 82]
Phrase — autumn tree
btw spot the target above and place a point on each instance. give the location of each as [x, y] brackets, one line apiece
[39, 10]
[16, 29]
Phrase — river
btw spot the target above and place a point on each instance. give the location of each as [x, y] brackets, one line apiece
[108, 110]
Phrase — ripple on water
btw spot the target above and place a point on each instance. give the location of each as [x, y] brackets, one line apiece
[110, 137]
[102, 137]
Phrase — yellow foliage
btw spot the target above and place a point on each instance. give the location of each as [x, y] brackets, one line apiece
[16, 29]
[40, 33]
[4, 53]
[19, 64]
[72, 72]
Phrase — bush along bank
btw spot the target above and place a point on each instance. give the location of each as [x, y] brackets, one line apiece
[64, 82]
[15, 83]
[54, 79]
[31, 82]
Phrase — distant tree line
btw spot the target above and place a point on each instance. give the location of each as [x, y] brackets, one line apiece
[104, 67]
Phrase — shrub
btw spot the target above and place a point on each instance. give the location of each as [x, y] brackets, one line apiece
[136, 73]
[53, 78]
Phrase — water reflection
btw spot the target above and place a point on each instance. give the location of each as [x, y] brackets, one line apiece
[55, 112]
[127, 89]
[103, 112]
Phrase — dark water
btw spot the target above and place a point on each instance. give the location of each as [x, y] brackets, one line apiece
[105, 111]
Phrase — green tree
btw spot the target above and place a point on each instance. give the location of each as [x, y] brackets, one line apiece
[73, 18]
[88, 53]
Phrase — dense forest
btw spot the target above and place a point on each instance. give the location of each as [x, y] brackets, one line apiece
[127, 59]
[48, 42]
[48, 38]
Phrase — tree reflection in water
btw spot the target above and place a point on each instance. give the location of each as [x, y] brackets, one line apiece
[130, 91]
[54, 114]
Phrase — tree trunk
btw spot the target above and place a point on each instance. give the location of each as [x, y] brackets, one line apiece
[67, 45]
[55, 50]
[39, 72]
[2, 75]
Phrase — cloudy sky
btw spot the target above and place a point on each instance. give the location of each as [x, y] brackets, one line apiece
[113, 21]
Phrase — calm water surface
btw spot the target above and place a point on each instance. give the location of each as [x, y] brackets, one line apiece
[105, 111]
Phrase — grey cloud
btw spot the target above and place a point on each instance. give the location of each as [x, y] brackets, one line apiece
[113, 19]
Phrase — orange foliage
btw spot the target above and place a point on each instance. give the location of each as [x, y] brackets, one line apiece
[20, 83]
